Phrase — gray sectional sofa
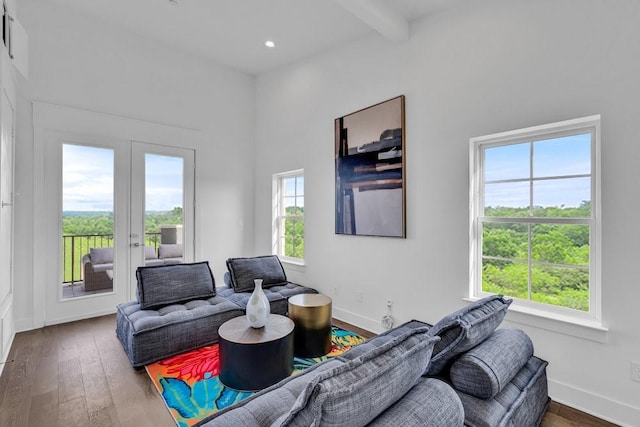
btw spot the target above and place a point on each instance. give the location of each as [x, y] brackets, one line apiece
[462, 370]
[178, 307]
[459, 371]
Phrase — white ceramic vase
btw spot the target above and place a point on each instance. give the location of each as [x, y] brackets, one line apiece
[258, 309]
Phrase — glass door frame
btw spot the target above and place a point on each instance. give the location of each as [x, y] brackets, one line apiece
[102, 128]
[137, 210]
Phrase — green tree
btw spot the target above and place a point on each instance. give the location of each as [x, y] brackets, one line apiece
[294, 232]
[559, 254]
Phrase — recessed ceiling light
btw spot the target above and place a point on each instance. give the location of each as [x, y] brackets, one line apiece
[269, 43]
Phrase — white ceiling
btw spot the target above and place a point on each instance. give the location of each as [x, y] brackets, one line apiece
[233, 32]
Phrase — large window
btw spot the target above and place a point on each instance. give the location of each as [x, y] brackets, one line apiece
[535, 222]
[288, 218]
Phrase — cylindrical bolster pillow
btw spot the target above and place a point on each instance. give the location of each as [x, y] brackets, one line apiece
[487, 368]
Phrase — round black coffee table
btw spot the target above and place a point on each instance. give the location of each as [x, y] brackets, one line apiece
[253, 359]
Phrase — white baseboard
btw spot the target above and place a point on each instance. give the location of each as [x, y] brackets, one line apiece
[357, 320]
[79, 317]
[7, 329]
[26, 323]
[594, 404]
[5, 357]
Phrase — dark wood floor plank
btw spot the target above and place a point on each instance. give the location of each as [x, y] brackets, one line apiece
[555, 420]
[70, 385]
[17, 401]
[73, 413]
[45, 409]
[582, 419]
[77, 374]
[46, 378]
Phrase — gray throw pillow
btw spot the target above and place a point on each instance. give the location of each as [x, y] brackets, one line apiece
[487, 368]
[101, 255]
[170, 284]
[466, 328]
[243, 271]
[355, 393]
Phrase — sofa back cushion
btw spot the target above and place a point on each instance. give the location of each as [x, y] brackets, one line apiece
[244, 270]
[170, 284]
[487, 368]
[355, 393]
[464, 329]
[101, 255]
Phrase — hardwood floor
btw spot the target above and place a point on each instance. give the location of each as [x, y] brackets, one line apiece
[77, 374]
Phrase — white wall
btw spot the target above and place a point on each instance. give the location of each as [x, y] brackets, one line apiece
[482, 68]
[82, 63]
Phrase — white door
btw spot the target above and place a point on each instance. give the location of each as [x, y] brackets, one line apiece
[162, 206]
[100, 194]
[85, 250]
[6, 197]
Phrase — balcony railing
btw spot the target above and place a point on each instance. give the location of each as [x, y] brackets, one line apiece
[74, 247]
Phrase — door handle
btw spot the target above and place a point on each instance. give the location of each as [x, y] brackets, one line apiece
[136, 244]
[5, 204]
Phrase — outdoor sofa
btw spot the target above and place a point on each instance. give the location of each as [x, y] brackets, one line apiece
[97, 265]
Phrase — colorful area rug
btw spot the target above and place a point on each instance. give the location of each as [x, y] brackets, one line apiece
[189, 383]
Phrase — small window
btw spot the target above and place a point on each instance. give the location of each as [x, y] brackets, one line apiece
[535, 223]
[288, 218]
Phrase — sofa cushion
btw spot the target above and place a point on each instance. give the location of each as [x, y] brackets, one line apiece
[170, 251]
[522, 402]
[355, 393]
[430, 403]
[269, 406]
[466, 328]
[278, 296]
[244, 270]
[168, 284]
[101, 255]
[155, 334]
[486, 369]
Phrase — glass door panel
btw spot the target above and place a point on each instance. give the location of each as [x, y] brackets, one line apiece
[164, 207]
[87, 220]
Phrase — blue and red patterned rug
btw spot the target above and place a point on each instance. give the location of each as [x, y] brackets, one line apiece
[189, 383]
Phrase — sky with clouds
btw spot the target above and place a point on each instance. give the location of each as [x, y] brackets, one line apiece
[557, 167]
[87, 180]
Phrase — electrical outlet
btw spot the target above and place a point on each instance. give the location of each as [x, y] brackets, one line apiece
[635, 371]
[389, 303]
[359, 296]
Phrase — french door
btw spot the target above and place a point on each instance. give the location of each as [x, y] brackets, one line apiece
[161, 208]
[112, 205]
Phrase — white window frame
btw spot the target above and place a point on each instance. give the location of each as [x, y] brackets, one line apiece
[279, 216]
[590, 319]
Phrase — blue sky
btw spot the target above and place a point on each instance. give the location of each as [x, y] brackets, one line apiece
[558, 158]
[87, 180]
[294, 191]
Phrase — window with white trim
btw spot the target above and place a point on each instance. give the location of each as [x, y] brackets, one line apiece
[288, 215]
[535, 226]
